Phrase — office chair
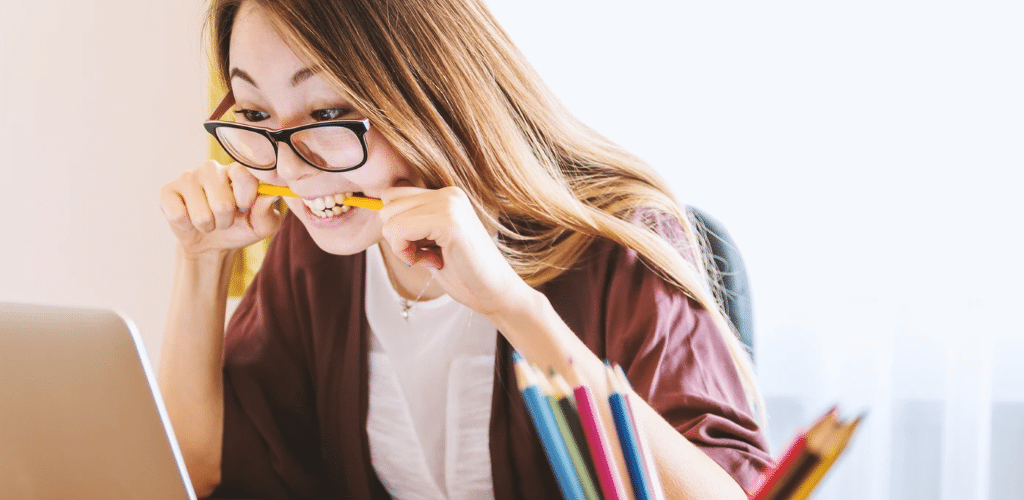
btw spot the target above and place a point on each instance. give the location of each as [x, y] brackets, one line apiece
[731, 275]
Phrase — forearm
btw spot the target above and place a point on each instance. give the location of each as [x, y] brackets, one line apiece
[535, 329]
[191, 362]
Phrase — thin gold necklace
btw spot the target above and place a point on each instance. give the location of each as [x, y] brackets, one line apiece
[403, 302]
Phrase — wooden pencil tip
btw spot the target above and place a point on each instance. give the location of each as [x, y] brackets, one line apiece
[613, 383]
[524, 378]
[622, 376]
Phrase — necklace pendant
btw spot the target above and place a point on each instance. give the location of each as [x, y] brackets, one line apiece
[405, 310]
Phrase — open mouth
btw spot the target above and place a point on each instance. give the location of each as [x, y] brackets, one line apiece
[330, 206]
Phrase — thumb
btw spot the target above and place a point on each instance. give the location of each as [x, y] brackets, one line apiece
[263, 217]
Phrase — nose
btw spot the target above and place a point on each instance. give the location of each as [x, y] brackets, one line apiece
[289, 165]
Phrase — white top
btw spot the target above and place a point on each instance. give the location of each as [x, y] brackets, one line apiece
[431, 380]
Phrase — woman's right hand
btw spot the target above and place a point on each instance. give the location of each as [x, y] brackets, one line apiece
[216, 207]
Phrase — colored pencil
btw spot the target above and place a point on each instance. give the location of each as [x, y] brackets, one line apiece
[550, 436]
[835, 448]
[587, 482]
[798, 462]
[628, 439]
[599, 445]
[645, 447]
[355, 201]
[575, 439]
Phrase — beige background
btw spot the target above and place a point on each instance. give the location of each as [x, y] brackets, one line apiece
[101, 103]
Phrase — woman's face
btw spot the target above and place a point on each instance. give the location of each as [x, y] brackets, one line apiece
[275, 89]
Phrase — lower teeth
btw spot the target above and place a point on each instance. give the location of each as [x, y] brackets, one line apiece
[329, 213]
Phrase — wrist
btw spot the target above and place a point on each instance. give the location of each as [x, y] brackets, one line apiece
[533, 327]
[208, 259]
[205, 274]
[515, 306]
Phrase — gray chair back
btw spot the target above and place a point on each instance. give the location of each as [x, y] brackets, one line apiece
[731, 275]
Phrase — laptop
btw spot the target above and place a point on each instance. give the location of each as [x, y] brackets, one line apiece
[81, 416]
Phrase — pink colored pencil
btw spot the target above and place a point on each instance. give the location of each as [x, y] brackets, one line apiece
[600, 447]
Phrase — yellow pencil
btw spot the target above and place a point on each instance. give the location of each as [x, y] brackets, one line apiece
[355, 201]
[836, 445]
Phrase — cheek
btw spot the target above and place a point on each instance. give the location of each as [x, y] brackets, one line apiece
[266, 176]
[294, 204]
[385, 160]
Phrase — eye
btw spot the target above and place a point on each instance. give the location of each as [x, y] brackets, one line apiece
[251, 115]
[323, 115]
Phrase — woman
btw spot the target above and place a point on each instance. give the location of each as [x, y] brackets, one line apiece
[371, 355]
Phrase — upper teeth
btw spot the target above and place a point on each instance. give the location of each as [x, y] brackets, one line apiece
[328, 205]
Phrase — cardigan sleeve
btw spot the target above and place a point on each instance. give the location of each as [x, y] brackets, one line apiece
[270, 445]
[677, 359]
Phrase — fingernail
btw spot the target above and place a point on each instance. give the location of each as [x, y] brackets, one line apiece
[276, 199]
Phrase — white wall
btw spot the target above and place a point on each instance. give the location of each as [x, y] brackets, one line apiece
[101, 103]
[866, 156]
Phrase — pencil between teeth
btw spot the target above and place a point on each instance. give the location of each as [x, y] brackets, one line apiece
[355, 201]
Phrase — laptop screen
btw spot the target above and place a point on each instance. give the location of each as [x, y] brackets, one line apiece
[80, 411]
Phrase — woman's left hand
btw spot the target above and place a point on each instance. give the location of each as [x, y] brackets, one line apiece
[439, 229]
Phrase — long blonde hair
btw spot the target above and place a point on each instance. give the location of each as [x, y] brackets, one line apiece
[445, 85]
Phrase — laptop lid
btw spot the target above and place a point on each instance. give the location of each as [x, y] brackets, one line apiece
[80, 412]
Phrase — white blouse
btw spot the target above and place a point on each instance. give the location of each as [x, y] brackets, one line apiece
[431, 381]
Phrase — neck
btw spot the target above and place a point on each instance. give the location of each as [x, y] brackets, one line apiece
[409, 282]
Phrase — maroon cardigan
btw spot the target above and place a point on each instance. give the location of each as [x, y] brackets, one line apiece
[296, 375]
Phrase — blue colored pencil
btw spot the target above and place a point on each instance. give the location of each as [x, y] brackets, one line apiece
[628, 439]
[645, 448]
[550, 436]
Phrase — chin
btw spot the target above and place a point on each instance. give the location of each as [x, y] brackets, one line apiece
[348, 247]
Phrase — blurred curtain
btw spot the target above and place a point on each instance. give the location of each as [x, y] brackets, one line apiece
[945, 413]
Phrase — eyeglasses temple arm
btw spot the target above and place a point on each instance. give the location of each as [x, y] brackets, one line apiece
[225, 103]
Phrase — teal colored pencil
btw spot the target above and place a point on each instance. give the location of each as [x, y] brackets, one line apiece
[550, 437]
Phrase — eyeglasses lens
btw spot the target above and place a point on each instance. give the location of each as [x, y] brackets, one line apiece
[329, 148]
[247, 147]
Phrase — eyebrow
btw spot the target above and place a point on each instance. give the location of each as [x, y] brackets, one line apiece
[299, 77]
[302, 75]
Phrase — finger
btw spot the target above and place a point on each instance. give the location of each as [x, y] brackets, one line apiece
[263, 218]
[406, 202]
[198, 209]
[243, 186]
[421, 252]
[413, 239]
[428, 256]
[412, 228]
[219, 196]
[173, 207]
[397, 192]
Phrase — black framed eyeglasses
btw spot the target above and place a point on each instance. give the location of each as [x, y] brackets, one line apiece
[334, 146]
